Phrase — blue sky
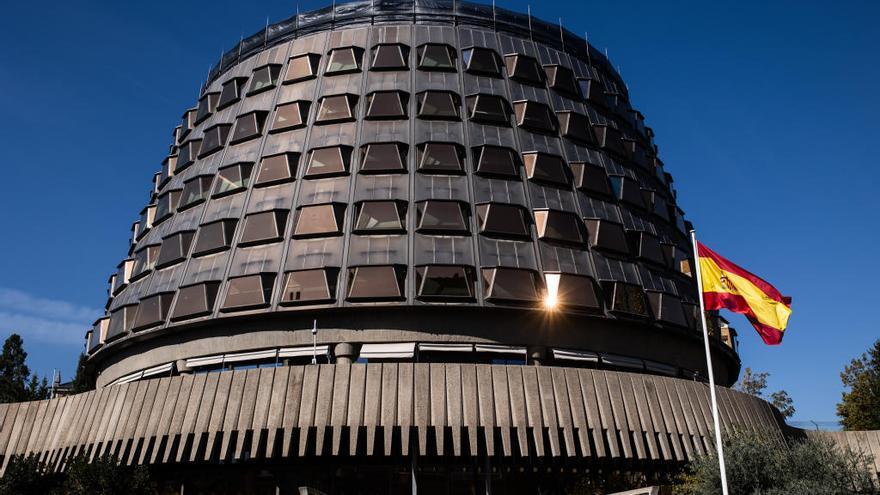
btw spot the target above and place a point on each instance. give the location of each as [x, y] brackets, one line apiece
[765, 114]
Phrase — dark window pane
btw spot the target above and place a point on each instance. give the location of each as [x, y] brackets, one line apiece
[309, 286]
[334, 109]
[574, 290]
[265, 77]
[481, 61]
[390, 57]
[575, 126]
[497, 161]
[593, 91]
[214, 139]
[153, 310]
[195, 300]
[383, 158]
[562, 80]
[510, 285]
[376, 282]
[207, 106]
[440, 105]
[445, 217]
[266, 226]
[169, 166]
[667, 308]
[233, 178]
[626, 298]
[167, 205]
[524, 69]
[605, 235]
[646, 246]
[187, 122]
[505, 220]
[445, 282]
[175, 248]
[195, 190]
[434, 56]
[251, 291]
[145, 261]
[319, 220]
[609, 139]
[548, 169]
[343, 60]
[231, 92]
[302, 67]
[380, 217]
[488, 109]
[628, 191]
[215, 236]
[325, 162]
[278, 168]
[535, 117]
[591, 178]
[290, 116]
[248, 126]
[187, 153]
[559, 226]
[441, 158]
[386, 105]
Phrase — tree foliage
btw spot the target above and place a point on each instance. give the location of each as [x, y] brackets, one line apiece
[859, 408]
[102, 476]
[755, 383]
[16, 382]
[762, 464]
[85, 377]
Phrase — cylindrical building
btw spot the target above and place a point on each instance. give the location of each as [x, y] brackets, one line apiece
[458, 214]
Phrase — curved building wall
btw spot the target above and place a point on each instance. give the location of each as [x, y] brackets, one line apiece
[409, 177]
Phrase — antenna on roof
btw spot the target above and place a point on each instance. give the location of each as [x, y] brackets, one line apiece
[333, 15]
[494, 17]
[530, 22]
[561, 34]
[587, 41]
[240, 41]
[266, 33]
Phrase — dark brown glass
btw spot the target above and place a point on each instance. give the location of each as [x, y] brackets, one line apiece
[535, 117]
[319, 220]
[439, 105]
[374, 217]
[562, 80]
[248, 292]
[390, 57]
[248, 126]
[386, 105]
[488, 109]
[481, 61]
[524, 69]
[275, 169]
[309, 286]
[384, 282]
[497, 161]
[290, 116]
[591, 178]
[547, 169]
[441, 282]
[214, 236]
[328, 162]
[435, 56]
[441, 158]
[302, 67]
[435, 216]
[514, 285]
[380, 158]
[263, 227]
[502, 220]
[175, 248]
[195, 300]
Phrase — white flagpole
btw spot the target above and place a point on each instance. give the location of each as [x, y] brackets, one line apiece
[718, 446]
[315, 342]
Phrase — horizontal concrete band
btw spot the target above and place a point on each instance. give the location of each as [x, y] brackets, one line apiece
[382, 409]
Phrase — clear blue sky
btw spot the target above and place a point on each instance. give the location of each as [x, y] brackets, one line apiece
[765, 114]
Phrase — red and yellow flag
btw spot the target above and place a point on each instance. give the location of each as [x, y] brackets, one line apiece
[728, 286]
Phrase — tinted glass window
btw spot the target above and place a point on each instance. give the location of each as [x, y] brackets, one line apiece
[386, 105]
[248, 126]
[510, 284]
[609, 139]
[290, 116]
[252, 291]
[334, 109]
[231, 92]
[442, 105]
[187, 122]
[309, 286]
[195, 190]
[266, 226]
[390, 57]
[559, 226]
[591, 178]
[174, 248]
[319, 220]
[434, 56]
[214, 139]
[535, 117]
[444, 282]
[562, 80]
[497, 161]
[152, 310]
[375, 282]
[265, 77]
[187, 153]
[441, 217]
[214, 236]
[145, 260]
[441, 158]
[233, 178]
[324, 162]
[504, 220]
[302, 67]
[383, 158]
[195, 300]
[646, 247]
[574, 290]
[668, 308]
[594, 91]
[575, 126]
[627, 190]
[343, 60]
[482, 61]
[207, 106]
[166, 205]
[607, 235]
[488, 109]
[627, 298]
[380, 217]
[277, 168]
[549, 169]
[524, 69]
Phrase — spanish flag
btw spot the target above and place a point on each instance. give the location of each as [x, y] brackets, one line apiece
[728, 286]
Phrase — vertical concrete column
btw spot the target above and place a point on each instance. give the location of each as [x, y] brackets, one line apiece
[345, 353]
[536, 355]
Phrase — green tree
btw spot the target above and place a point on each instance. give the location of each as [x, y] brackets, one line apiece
[755, 383]
[85, 377]
[859, 408]
[29, 476]
[758, 463]
[102, 476]
[16, 382]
